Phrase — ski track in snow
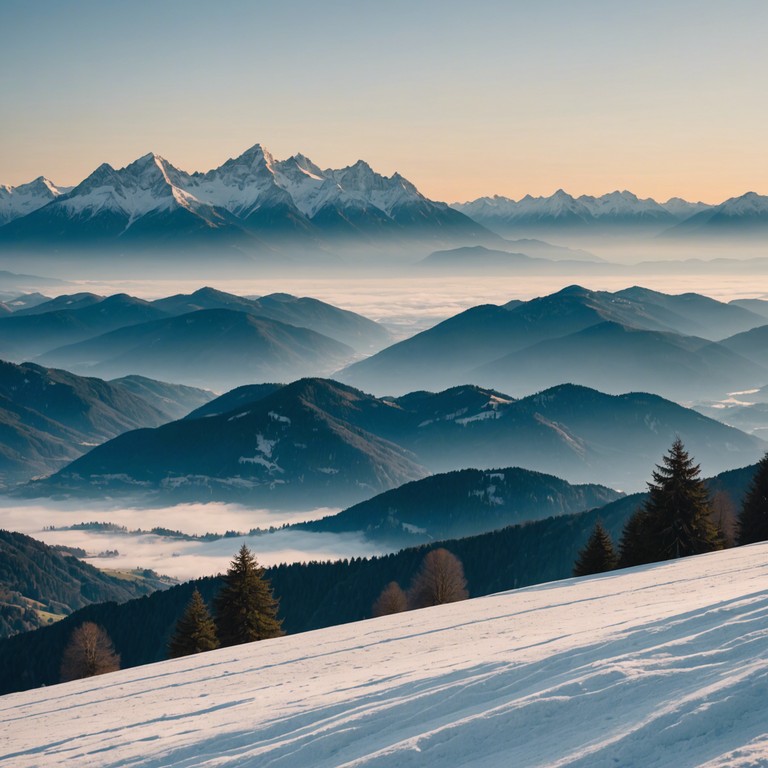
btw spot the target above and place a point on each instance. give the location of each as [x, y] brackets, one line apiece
[663, 665]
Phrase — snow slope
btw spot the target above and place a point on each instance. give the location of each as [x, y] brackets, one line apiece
[662, 665]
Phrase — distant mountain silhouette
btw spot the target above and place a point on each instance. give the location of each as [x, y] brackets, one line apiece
[212, 348]
[482, 344]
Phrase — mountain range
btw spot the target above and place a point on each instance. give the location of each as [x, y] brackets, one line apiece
[207, 338]
[631, 339]
[210, 348]
[254, 206]
[619, 211]
[316, 442]
[252, 201]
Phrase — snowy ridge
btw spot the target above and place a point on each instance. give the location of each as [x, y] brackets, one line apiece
[750, 204]
[663, 665]
[19, 201]
[290, 193]
[746, 213]
[618, 206]
[148, 185]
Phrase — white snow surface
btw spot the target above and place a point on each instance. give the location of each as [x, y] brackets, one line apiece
[663, 665]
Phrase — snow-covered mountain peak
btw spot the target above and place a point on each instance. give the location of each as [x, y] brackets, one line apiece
[26, 198]
[146, 185]
[748, 204]
[269, 195]
[682, 209]
[257, 158]
[42, 185]
[304, 164]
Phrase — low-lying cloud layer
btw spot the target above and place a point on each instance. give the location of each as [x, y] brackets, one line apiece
[179, 558]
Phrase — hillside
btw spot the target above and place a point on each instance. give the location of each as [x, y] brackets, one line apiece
[49, 417]
[296, 446]
[347, 445]
[320, 594]
[661, 665]
[38, 584]
[27, 334]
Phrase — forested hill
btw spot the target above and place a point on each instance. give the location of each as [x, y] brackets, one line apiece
[38, 584]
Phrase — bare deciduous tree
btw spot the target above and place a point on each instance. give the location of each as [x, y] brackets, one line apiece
[89, 652]
[391, 600]
[440, 579]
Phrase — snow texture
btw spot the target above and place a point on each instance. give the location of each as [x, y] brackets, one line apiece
[662, 665]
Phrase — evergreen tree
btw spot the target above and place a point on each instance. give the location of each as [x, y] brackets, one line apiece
[245, 608]
[391, 600]
[753, 518]
[89, 652]
[598, 555]
[440, 579]
[635, 546]
[195, 631]
[677, 519]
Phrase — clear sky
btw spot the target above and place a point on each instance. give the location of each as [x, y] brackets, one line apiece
[464, 98]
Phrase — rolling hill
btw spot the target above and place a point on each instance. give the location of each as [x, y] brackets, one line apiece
[212, 348]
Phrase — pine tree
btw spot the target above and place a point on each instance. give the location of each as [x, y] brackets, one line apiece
[598, 555]
[635, 546]
[753, 518]
[677, 519]
[440, 579]
[195, 631]
[245, 608]
[89, 652]
[391, 600]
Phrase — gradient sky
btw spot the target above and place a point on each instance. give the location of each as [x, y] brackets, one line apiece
[465, 99]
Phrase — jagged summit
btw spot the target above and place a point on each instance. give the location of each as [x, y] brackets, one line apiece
[252, 199]
[248, 198]
[16, 202]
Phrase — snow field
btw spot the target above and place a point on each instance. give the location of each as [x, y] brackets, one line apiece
[663, 665]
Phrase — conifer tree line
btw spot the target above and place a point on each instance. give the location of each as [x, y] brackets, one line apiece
[678, 519]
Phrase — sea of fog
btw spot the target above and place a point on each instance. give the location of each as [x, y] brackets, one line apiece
[176, 557]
